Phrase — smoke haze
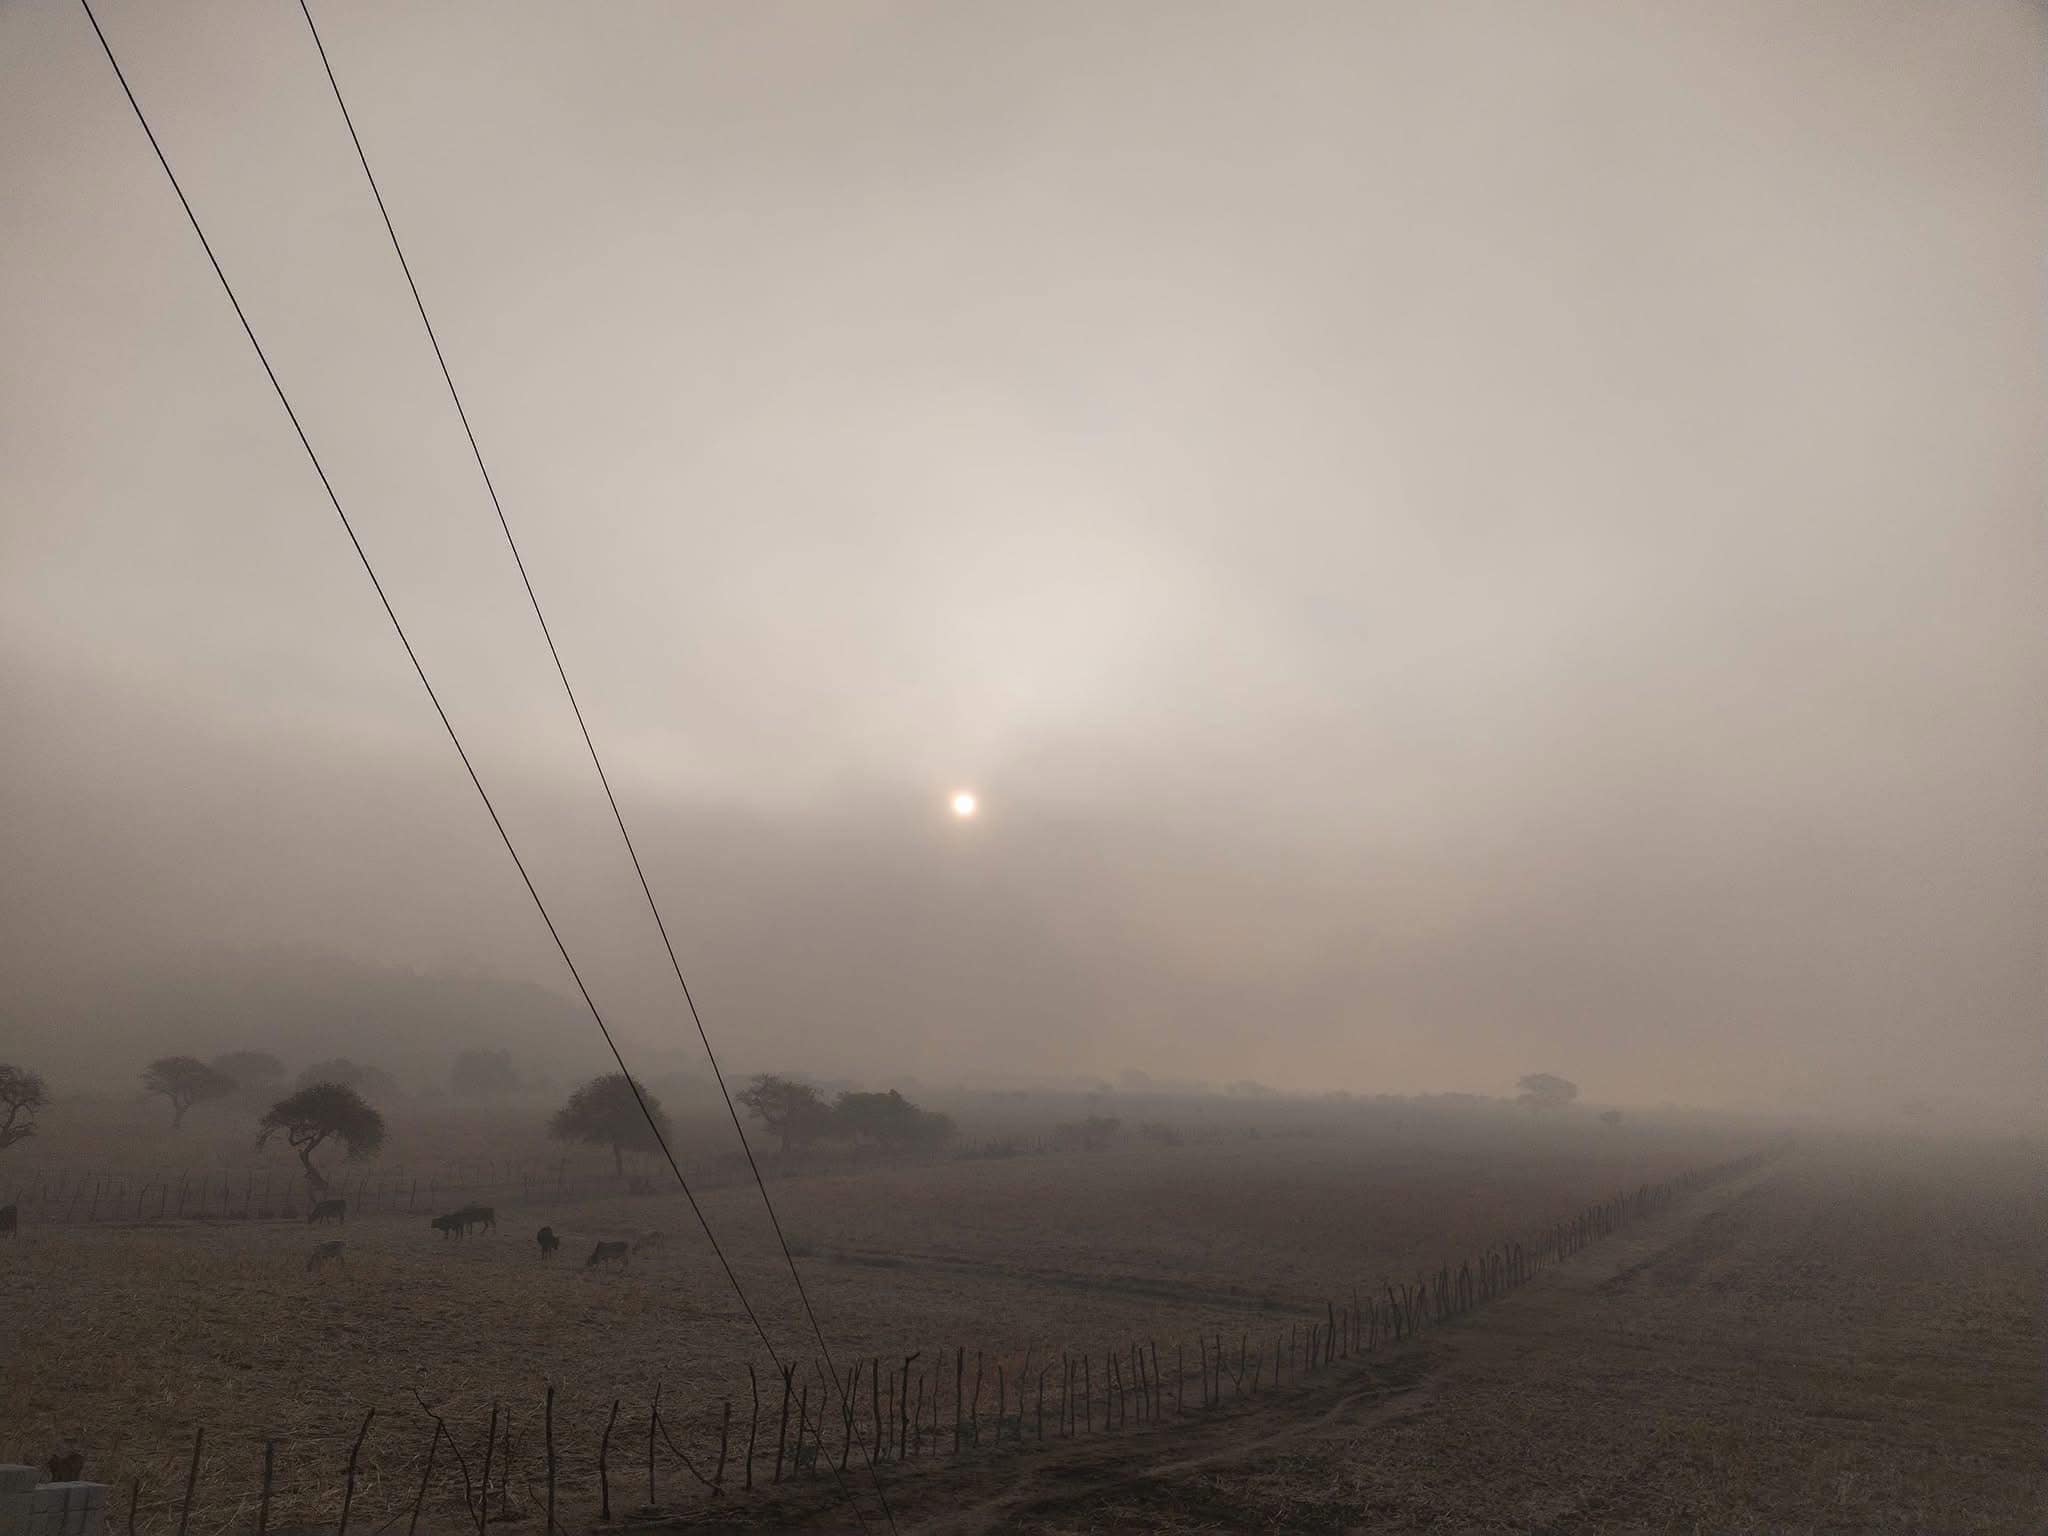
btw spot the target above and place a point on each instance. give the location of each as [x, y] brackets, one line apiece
[1449, 541]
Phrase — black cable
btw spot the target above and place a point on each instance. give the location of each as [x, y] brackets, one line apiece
[420, 670]
[589, 744]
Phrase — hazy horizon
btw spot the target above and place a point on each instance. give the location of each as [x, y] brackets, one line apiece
[1427, 585]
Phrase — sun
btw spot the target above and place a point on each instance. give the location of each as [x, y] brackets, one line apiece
[965, 805]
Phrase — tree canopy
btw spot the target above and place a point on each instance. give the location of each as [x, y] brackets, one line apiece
[185, 1081]
[371, 1082]
[890, 1120]
[483, 1075]
[791, 1110]
[319, 1113]
[605, 1113]
[22, 1093]
[250, 1069]
[1546, 1090]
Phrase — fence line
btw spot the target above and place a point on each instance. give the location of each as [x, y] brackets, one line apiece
[527, 1456]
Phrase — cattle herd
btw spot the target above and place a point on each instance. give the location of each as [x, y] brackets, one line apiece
[459, 1223]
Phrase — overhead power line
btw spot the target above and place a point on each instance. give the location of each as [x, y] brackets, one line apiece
[419, 669]
[582, 725]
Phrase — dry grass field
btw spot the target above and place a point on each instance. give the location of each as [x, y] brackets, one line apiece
[1845, 1340]
[125, 1336]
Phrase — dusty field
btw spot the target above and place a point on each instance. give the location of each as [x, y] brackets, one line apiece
[1850, 1340]
[124, 1338]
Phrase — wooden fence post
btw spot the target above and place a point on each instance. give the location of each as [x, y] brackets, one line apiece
[263, 1499]
[549, 1430]
[653, 1421]
[782, 1430]
[604, 1482]
[724, 1437]
[191, 1480]
[753, 1425]
[348, 1484]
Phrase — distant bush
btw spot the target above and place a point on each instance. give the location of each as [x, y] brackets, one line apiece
[371, 1082]
[1160, 1132]
[890, 1121]
[1092, 1134]
[483, 1075]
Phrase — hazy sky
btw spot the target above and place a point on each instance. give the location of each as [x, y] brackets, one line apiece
[1451, 540]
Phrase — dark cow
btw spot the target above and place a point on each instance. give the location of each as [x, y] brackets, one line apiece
[66, 1466]
[10, 1220]
[449, 1225]
[608, 1253]
[548, 1242]
[327, 1210]
[479, 1216]
[325, 1254]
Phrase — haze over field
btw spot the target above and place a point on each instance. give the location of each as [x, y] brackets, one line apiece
[1427, 584]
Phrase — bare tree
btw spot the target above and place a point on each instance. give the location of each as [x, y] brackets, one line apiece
[22, 1093]
[185, 1081]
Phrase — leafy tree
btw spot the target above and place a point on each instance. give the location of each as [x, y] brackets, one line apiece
[185, 1081]
[890, 1120]
[792, 1110]
[605, 1112]
[22, 1093]
[371, 1082]
[250, 1069]
[483, 1075]
[316, 1114]
[1546, 1090]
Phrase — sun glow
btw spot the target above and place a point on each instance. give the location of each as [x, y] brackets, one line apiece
[965, 805]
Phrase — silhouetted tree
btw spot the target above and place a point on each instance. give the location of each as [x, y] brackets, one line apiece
[1546, 1090]
[791, 1110]
[316, 1114]
[185, 1081]
[371, 1082]
[605, 1113]
[1610, 1117]
[22, 1093]
[251, 1070]
[483, 1075]
[890, 1120]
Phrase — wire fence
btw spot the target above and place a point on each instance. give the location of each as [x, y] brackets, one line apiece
[407, 1464]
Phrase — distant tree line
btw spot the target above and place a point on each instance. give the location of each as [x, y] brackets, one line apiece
[799, 1116]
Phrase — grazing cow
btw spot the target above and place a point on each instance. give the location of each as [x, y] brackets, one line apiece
[479, 1216]
[649, 1242]
[327, 1210]
[607, 1253]
[325, 1254]
[449, 1225]
[548, 1242]
[10, 1220]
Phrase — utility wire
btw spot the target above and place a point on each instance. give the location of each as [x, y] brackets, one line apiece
[618, 816]
[448, 725]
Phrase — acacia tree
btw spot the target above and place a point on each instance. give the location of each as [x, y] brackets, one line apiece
[251, 1070]
[605, 1112]
[185, 1081]
[1546, 1090]
[791, 1110]
[22, 1093]
[319, 1113]
[483, 1075]
[891, 1121]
